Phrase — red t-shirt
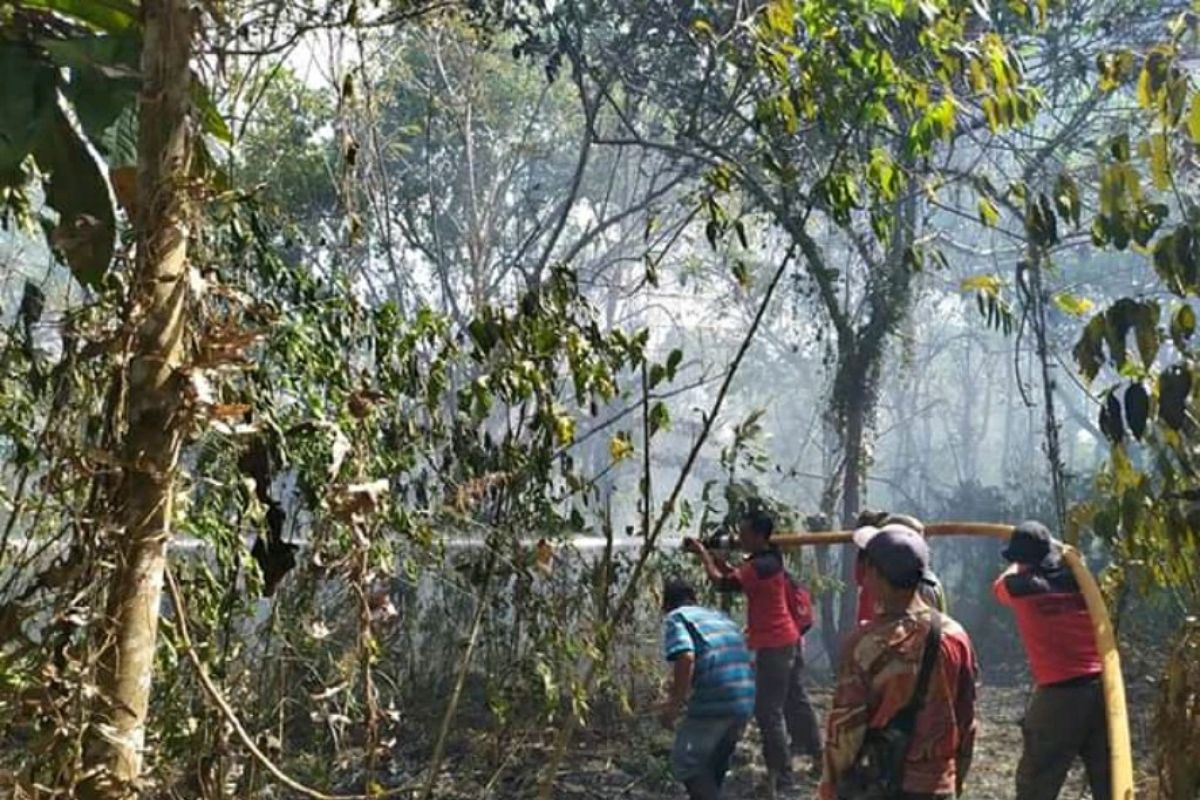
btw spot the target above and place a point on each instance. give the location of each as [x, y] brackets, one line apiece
[1053, 621]
[769, 621]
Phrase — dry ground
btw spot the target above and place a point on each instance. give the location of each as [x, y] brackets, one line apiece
[633, 763]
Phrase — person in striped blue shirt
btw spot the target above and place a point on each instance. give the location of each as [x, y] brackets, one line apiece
[712, 675]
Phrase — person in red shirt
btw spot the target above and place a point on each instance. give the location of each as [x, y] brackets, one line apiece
[1066, 717]
[878, 673]
[869, 524]
[782, 706]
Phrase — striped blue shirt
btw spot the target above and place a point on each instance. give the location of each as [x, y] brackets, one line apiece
[723, 682]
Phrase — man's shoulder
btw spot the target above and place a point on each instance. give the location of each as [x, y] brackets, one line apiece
[766, 564]
[953, 631]
[699, 615]
[1032, 582]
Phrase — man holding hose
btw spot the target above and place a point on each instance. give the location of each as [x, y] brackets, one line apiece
[1066, 715]
[781, 705]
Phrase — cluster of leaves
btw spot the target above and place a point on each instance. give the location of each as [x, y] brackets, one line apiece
[71, 121]
[1150, 515]
[392, 440]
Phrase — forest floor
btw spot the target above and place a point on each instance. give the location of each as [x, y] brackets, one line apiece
[633, 764]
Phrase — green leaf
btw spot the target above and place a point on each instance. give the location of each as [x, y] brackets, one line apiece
[1066, 198]
[1089, 350]
[1146, 332]
[620, 447]
[108, 16]
[1193, 120]
[660, 417]
[741, 273]
[673, 362]
[78, 189]
[104, 77]
[1183, 325]
[211, 121]
[702, 28]
[26, 105]
[657, 373]
[119, 141]
[988, 214]
[1072, 304]
[984, 283]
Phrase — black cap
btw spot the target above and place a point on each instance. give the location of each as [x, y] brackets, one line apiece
[1031, 543]
[901, 555]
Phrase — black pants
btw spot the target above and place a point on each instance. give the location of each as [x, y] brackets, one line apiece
[782, 707]
[1062, 723]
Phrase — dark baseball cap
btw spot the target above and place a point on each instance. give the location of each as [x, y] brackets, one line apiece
[901, 555]
[1031, 543]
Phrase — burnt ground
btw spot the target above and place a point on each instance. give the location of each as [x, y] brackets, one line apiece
[633, 762]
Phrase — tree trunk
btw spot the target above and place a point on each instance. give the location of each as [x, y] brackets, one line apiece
[159, 309]
[852, 479]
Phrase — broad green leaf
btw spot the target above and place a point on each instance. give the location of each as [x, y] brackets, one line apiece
[1073, 304]
[211, 121]
[701, 27]
[26, 105]
[104, 78]
[78, 189]
[108, 16]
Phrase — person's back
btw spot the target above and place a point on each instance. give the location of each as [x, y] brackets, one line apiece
[1066, 717]
[723, 680]
[880, 664]
[1053, 621]
[879, 676]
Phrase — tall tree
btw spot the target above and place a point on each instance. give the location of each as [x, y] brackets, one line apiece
[154, 402]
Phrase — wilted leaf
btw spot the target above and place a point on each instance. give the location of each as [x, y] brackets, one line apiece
[1111, 423]
[544, 556]
[1174, 386]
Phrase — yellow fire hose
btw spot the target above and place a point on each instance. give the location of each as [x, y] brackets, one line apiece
[1120, 749]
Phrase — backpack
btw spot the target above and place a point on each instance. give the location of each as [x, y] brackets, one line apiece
[799, 603]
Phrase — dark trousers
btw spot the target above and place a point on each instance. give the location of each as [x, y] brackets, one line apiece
[706, 782]
[1063, 722]
[782, 706]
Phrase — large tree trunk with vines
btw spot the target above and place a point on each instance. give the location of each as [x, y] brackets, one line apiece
[158, 315]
